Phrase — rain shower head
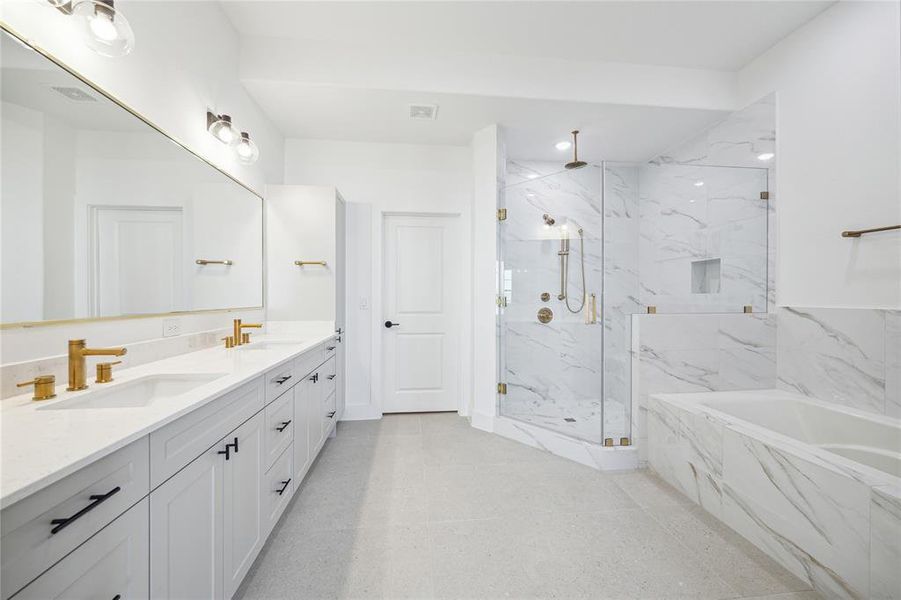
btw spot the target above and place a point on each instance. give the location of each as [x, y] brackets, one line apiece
[548, 219]
[576, 163]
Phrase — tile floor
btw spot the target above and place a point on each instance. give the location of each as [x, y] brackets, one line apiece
[424, 506]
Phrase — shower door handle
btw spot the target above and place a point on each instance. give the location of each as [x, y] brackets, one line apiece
[389, 324]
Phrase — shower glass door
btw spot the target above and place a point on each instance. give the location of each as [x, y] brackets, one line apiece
[550, 279]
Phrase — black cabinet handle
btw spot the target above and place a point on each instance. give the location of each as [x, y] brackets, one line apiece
[330, 377]
[282, 380]
[96, 500]
[283, 426]
[284, 487]
[330, 348]
[331, 414]
[117, 596]
[315, 377]
[226, 451]
[389, 324]
[235, 444]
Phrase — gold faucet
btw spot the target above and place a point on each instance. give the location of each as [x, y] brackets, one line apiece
[77, 369]
[239, 338]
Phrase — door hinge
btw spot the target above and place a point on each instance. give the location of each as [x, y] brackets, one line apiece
[502, 301]
[502, 214]
[764, 195]
[502, 388]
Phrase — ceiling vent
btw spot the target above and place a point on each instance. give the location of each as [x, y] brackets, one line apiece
[74, 94]
[424, 112]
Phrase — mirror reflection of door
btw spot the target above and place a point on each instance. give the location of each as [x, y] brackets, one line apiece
[136, 260]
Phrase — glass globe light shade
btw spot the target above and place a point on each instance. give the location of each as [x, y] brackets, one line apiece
[104, 29]
[246, 149]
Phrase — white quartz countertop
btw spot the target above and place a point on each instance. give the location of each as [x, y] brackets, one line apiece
[39, 446]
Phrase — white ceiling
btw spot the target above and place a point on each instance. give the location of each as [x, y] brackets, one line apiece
[722, 34]
[613, 132]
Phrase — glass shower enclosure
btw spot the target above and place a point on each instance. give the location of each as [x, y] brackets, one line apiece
[649, 238]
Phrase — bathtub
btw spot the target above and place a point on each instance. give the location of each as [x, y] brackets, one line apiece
[814, 485]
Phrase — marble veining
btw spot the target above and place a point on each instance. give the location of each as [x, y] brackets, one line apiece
[830, 520]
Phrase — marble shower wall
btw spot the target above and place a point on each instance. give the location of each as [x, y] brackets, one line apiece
[698, 353]
[843, 355]
[553, 371]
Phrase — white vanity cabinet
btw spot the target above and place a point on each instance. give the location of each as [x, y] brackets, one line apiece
[183, 512]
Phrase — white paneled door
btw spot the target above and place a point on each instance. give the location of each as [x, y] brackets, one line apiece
[421, 326]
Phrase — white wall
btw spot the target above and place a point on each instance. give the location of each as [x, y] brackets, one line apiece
[375, 179]
[184, 62]
[838, 159]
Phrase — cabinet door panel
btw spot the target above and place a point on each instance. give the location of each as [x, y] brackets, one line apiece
[111, 564]
[302, 442]
[243, 499]
[186, 520]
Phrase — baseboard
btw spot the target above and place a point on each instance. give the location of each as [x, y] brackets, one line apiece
[365, 412]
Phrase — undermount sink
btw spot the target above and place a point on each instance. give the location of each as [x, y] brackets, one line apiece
[268, 345]
[137, 393]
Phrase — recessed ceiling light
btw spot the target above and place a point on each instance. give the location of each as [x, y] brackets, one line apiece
[765, 156]
[699, 184]
[565, 145]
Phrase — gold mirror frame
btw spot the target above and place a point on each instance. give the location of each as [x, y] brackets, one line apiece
[27, 324]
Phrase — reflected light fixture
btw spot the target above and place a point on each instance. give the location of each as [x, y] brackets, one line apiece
[699, 183]
[221, 128]
[104, 29]
[765, 156]
[247, 151]
[565, 145]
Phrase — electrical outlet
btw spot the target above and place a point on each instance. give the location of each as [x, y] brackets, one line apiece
[364, 303]
[171, 327]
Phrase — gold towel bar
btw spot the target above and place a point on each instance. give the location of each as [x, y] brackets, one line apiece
[860, 232]
[301, 263]
[203, 261]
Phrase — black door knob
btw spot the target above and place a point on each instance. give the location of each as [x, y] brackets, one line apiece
[389, 324]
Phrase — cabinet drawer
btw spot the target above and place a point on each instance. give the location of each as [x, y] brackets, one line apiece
[329, 374]
[279, 380]
[87, 500]
[112, 564]
[180, 442]
[279, 488]
[279, 426]
[329, 414]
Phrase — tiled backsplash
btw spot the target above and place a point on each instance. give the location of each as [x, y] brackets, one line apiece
[844, 355]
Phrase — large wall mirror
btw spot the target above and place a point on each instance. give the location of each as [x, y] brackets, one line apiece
[104, 216]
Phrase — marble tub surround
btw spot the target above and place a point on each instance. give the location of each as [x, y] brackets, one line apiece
[41, 446]
[698, 353]
[848, 356]
[830, 520]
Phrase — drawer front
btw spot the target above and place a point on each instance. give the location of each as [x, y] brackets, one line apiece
[279, 488]
[327, 350]
[329, 414]
[112, 564]
[180, 442]
[329, 373]
[279, 380]
[82, 504]
[279, 426]
[115, 563]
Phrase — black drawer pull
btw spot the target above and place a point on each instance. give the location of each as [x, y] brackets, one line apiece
[315, 377]
[330, 377]
[283, 426]
[226, 451]
[117, 596]
[285, 485]
[282, 380]
[330, 348]
[331, 414]
[235, 444]
[96, 500]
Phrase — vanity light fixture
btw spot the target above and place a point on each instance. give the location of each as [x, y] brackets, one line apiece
[765, 156]
[221, 128]
[247, 151]
[104, 29]
[699, 183]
